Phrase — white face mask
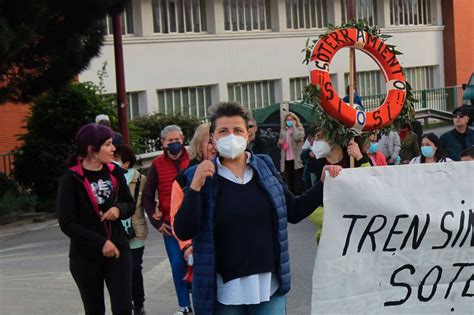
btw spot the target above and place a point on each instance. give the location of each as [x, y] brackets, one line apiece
[321, 149]
[231, 146]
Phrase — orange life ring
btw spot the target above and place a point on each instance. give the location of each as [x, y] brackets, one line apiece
[321, 57]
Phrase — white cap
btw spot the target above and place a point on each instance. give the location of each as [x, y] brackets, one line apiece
[101, 117]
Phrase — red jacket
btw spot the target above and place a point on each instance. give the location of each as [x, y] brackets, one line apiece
[160, 181]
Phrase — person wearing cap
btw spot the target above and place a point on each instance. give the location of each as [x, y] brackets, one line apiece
[460, 138]
[104, 120]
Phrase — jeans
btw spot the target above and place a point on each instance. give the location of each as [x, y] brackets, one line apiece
[90, 276]
[276, 306]
[138, 290]
[178, 269]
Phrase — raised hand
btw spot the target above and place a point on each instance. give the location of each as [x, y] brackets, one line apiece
[205, 169]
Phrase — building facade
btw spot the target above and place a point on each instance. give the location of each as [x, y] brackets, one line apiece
[458, 18]
[183, 55]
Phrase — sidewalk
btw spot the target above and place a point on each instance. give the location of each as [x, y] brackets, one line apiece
[21, 222]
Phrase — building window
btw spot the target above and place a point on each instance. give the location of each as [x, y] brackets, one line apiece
[420, 78]
[252, 95]
[364, 9]
[297, 86]
[179, 16]
[368, 82]
[133, 105]
[188, 101]
[247, 15]
[132, 101]
[410, 12]
[126, 18]
[306, 14]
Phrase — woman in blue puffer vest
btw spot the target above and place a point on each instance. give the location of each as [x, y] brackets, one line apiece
[236, 211]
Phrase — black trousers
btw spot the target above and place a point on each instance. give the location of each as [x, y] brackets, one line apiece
[294, 178]
[138, 290]
[90, 276]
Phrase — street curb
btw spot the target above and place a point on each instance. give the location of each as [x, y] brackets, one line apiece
[31, 217]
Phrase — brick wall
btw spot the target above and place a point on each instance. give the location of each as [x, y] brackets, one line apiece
[463, 32]
[458, 17]
[12, 122]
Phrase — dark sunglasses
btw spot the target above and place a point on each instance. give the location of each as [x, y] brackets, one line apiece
[459, 116]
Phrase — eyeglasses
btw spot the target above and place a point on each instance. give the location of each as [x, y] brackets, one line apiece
[459, 116]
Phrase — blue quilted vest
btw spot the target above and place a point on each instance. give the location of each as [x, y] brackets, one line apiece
[204, 270]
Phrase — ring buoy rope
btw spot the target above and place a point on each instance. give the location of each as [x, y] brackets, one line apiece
[321, 56]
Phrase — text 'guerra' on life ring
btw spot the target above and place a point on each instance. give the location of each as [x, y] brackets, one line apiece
[321, 57]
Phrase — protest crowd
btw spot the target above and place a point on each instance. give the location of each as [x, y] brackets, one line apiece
[220, 203]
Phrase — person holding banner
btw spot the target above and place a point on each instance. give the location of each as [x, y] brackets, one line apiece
[329, 153]
[236, 209]
[431, 151]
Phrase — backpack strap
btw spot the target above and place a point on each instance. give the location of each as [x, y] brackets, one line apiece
[137, 188]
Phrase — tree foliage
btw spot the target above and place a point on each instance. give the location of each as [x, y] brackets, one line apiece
[55, 119]
[46, 43]
[12, 198]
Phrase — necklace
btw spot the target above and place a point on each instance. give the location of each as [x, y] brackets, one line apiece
[238, 178]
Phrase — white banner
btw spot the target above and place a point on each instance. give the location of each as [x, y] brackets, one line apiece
[397, 239]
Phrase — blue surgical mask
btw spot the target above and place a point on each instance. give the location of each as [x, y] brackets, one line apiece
[428, 151]
[174, 148]
[128, 175]
[374, 147]
[290, 123]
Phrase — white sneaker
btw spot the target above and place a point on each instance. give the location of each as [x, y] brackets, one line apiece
[184, 310]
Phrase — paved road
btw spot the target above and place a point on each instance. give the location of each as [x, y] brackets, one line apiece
[34, 275]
